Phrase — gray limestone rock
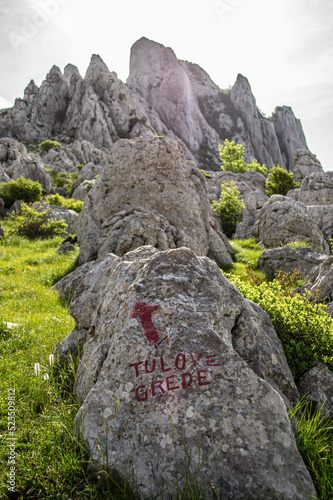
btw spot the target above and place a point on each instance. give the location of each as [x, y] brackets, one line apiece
[317, 385]
[63, 213]
[317, 189]
[322, 216]
[320, 282]
[248, 227]
[175, 356]
[17, 162]
[2, 232]
[149, 174]
[283, 220]
[288, 260]
[305, 163]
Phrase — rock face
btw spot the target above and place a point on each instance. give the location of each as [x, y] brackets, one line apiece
[317, 385]
[305, 163]
[149, 194]
[163, 95]
[283, 220]
[171, 345]
[289, 260]
[17, 162]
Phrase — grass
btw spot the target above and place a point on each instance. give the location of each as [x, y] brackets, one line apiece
[247, 253]
[314, 437]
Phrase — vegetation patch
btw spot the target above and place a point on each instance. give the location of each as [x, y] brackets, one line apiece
[31, 223]
[45, 146]
[60, 201]
[279, 181]
[22, 189]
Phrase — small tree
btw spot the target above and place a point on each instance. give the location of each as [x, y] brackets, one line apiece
[47, 145]
[229, 207]
[279, 181]
[22, 189]
[232, 157]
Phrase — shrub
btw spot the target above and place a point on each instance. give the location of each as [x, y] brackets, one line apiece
[63, 180]
[88, 184]
[60, 201]
[47, 145]
[22, 189]
[304, 329]
[229, 207]
[232, 157]
[279, 181]
[33, 224]
[80, 166]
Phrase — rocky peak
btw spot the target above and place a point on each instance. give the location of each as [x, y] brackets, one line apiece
[71, 74]
[98, 74]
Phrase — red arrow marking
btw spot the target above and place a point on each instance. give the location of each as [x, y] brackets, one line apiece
[143, 311]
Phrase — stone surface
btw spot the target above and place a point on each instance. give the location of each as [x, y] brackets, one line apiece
[320, 282]
[305, 163]
[161, 332]
[283, 220]
[63, 213]
[17, 162]
[317, 189]
[322, 216]
[66, 248]
[149, 174]
[2, 232]
[317, 385]
[288, 260]
[248, 227]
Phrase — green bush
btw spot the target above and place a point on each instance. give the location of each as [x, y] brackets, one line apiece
[32, 224]
[279, 181]
[60, 201]
[63, 180]
[229, 207]
[47, 145]
[305, 329]
[232, 157]
[22, 189]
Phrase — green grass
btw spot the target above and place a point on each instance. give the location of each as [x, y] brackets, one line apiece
[314, 437]
[245, 263]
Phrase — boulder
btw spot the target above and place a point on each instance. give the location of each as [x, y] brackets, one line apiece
[305, 163]
[288, 260]
[322, 216]
[17, 162]
[176, 361]
[87, 173]
[149, 174]
[79, 193]
[66, 247]
[283, 220]
[320, 282]
[248, 227]
[2, 232]
[317, 385]
[246, 183]
[317, 189]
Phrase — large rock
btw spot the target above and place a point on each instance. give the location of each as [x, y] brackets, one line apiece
[248, 227]
[322, 216]
[317, 385]
[17, 162]
[176, 359]
[320, 282]
[283, 220]
[305, 163]
[317, 189]
[288, 260]
[149, 174]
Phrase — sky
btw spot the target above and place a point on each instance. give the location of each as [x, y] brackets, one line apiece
[283, 47]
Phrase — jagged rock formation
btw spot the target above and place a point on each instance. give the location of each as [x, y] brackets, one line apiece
[316, 189]
[149, 194]
[317, 385]
[163, 95]
[166, 334]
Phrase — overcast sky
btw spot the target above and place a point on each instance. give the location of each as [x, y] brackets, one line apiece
[283, 47]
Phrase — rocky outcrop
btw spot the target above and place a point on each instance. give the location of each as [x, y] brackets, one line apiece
[283, 220]
[163, 95]
[288, 260]
[305, 163]
[165, 334]
[2, 232]
[246, 183]
[149, 194]
[322, 216]
[66, 158]
[317, 189]
[317, 385]
[16, 162]
[248, 227]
